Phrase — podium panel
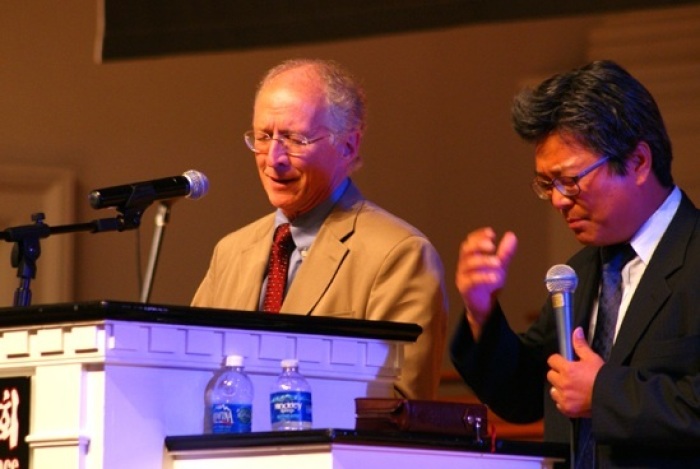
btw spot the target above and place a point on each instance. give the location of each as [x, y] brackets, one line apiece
[110, 380]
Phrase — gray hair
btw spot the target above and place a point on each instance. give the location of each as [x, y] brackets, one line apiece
[344, 94]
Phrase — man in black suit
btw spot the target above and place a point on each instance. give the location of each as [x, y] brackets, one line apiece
[603, 160]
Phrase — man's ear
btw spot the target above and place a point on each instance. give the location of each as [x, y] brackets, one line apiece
[351, 144]
[640, 162]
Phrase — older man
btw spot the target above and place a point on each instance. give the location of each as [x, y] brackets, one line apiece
[346, 256]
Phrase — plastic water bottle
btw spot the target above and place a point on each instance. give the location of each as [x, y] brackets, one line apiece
[290, 399]
[231, 399]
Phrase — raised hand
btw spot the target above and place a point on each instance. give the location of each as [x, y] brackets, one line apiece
[482, 267]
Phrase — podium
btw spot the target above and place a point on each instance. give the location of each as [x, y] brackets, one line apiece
[109, 380]
[356, 449]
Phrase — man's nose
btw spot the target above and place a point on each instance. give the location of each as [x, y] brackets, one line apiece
[277, 152]
[559, 200]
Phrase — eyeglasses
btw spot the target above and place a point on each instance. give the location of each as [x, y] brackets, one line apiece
[294, 144]
[566, 185]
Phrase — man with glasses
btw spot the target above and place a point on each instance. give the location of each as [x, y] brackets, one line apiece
[631, 396]
[346, 257]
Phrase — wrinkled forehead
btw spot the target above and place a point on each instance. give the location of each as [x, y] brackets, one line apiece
[291, 98]
[304, 81]
[559, 154]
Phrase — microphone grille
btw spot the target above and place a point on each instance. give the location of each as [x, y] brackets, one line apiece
[561, 278]
[199, 184]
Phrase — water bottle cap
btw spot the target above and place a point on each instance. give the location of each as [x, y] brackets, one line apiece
[234, 360]
[290, 363]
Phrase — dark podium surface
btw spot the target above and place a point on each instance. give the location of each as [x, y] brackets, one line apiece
[364, 437]
[209, 317]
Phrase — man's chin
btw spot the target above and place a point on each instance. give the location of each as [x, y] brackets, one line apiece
[588, 240]
[282, 203]
[583, 237]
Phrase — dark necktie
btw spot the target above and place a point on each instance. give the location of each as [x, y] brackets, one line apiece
[614, 259]
[277, 268]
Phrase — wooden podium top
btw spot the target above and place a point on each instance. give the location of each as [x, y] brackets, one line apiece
[325, 435]
[242, 441]
[97, 310]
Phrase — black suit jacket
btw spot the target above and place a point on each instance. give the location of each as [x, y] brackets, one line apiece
[646, 398]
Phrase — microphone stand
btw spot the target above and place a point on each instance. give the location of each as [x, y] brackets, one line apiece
[161, 220]
[27, 248]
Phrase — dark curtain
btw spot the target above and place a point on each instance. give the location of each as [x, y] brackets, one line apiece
[146, 28]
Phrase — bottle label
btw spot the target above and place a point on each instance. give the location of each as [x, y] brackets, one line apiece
[231, 418]
[290, 406]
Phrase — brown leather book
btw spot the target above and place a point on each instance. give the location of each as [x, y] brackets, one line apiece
[422, 416]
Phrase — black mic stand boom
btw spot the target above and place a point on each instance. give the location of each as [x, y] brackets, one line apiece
[27, 248]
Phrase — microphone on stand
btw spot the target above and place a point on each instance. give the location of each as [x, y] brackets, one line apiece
[561, 281]
[192, 184]
[132, 199]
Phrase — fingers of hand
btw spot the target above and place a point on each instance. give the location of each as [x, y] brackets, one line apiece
[477, 242]
[478, 256]
[475, 273]
[507, 248]
[478, 262]
[556, 397]
[481, 244]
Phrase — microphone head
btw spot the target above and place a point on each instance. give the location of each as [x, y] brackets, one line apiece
[199, 184]
[561, 278]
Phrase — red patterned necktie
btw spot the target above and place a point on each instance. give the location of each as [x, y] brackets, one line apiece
[277, 268]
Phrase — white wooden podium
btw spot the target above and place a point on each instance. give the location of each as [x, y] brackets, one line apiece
[110, 380]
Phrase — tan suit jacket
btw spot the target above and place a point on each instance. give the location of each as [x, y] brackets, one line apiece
[365, 263]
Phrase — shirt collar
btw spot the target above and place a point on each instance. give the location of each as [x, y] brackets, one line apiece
[647, 238]
[305, 227]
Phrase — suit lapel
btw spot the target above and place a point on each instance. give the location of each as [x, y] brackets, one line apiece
[587, 290]
[653, 289]
[254, 256]
[325, 256]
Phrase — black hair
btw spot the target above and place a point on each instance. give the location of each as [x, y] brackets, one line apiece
[603, 108]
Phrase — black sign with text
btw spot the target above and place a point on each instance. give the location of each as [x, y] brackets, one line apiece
[14, 422]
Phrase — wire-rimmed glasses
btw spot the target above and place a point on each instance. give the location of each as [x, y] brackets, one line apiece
[566, 185]
[294, 144]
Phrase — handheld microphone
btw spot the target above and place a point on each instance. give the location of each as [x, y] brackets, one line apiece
[192, 184]
[561, 281]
